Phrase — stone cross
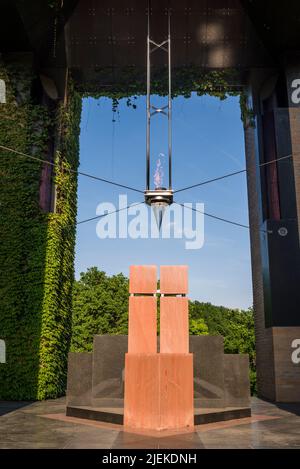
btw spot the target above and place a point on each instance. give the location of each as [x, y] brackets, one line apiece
[158, 385]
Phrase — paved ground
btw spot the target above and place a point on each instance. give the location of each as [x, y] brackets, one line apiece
[44, 425]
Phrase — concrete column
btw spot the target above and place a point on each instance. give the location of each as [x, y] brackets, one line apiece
[273, 194]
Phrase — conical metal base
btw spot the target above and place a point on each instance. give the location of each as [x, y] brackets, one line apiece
[159, 199]
[159, 209]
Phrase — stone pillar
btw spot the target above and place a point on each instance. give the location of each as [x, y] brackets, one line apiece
[274, 201]
[158, 386]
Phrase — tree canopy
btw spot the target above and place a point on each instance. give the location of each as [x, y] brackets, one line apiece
[100, 306]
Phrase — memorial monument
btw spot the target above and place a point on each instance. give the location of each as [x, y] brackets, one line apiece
[167, 382]
[158, 385]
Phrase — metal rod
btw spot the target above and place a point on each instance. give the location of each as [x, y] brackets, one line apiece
[156, 110]
[148, 105]
[169, 101]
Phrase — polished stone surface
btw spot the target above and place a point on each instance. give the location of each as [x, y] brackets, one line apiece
[108, 360]
[208, 370]
[108, 366]
[236, 378]
[79, 391]
[44, 425]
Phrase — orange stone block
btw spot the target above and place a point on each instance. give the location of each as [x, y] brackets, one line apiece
[159, 391]
[158, 386]
[142, 324]
[142, 279]
[174, 325]
[141, 400]
[174, 279]
[176, 391]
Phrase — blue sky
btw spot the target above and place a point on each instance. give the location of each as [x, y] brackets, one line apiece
[208, 141]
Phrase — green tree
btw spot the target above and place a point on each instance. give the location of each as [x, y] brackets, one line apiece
[198, 327]
[100, 306]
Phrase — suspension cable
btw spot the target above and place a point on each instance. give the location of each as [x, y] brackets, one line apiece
[208, 181]
[70, 170]
[109, 213]
[97, 178]
[225, 220]
[137, 190]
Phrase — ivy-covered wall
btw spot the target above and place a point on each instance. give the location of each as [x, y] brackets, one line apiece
[37, 249]
[60, 251]
[185, 80]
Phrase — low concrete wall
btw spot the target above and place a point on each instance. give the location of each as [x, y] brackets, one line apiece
[98, 378]
[79, 388]
[236, 378]
[208, 370]
[108, 366]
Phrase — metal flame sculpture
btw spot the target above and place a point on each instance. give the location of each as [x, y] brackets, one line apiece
[160, 197]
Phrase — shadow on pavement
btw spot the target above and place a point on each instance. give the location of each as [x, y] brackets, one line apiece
[293, 408]
[10, 406]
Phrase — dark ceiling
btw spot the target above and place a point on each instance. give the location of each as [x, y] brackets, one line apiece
[91, 35]
[212, 34]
